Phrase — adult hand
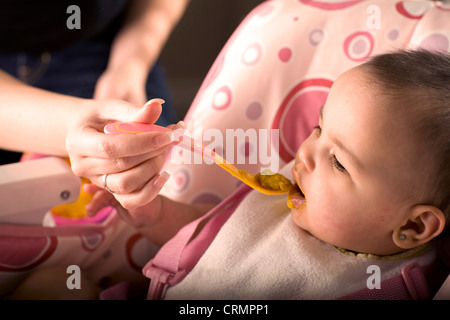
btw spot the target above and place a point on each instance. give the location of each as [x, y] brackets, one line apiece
[146, 28]
[132, 163]
[128, 67]
[137, 215]
[125, 81]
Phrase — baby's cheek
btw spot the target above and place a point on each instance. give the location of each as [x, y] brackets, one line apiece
[316, 219]
[325, 212]
[329, 223]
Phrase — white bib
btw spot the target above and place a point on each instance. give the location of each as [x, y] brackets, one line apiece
[261, 254]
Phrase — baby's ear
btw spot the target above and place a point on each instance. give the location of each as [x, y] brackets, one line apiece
[426, 222]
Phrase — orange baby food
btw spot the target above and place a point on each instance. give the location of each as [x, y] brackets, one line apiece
[296, 199]
[274, 181]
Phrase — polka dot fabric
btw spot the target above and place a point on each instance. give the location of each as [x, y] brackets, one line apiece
[275, 73]
[106, 253]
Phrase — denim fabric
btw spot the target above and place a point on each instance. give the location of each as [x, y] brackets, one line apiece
[74, 71]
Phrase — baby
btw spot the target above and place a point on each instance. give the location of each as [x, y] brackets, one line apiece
[374, 178]
[374, 175]
[375, 171]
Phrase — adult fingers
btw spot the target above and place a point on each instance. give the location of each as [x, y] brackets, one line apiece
[91, 167]
[87, 141]
[150, 112]
[144, 195]
[129, 181]
[118, 110]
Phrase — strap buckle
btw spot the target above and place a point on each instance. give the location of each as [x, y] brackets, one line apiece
[159, 279]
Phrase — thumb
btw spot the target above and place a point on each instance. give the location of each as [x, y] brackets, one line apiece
[150, 112]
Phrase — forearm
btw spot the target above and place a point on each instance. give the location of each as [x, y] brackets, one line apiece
[34, 120]
[173, 216]
[146, 29]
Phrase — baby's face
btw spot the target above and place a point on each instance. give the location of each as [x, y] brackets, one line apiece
[355, 169]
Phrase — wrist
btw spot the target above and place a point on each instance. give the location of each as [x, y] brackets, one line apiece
[67, 112]
[134, 48]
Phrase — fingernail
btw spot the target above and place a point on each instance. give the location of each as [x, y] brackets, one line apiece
[163, 139]
[181, 124]
[161, 180]
[158, 100]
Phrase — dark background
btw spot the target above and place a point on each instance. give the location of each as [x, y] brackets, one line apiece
[195, 43]
[192, 48]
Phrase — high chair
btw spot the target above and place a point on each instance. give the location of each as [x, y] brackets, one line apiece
[28, 190]
[34, 235]
[275, 72]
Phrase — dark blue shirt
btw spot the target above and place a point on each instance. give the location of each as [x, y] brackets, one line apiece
[41, 25]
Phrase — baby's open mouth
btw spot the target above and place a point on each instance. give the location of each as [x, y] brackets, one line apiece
[296, 198]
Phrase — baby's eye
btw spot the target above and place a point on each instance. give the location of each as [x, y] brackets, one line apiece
[337, 164]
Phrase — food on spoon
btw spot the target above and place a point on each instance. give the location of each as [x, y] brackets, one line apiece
[274, 181]
[266, 182]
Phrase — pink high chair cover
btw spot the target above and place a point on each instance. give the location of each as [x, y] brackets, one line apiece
[276, 70]
[106, 249]
[273, 73]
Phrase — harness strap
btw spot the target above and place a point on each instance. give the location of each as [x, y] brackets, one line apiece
[180, 254]
[411, 284]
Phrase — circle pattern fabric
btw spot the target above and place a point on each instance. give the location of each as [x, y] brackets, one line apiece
[261, 96]
[275, 72]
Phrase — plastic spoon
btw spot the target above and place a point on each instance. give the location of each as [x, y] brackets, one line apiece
[266, 183]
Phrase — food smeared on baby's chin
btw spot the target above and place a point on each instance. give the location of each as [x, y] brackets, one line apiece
[296, 198]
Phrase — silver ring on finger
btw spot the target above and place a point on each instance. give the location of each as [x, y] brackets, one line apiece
[105, 184]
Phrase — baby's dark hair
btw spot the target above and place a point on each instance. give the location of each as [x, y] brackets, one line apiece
[419, 80]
